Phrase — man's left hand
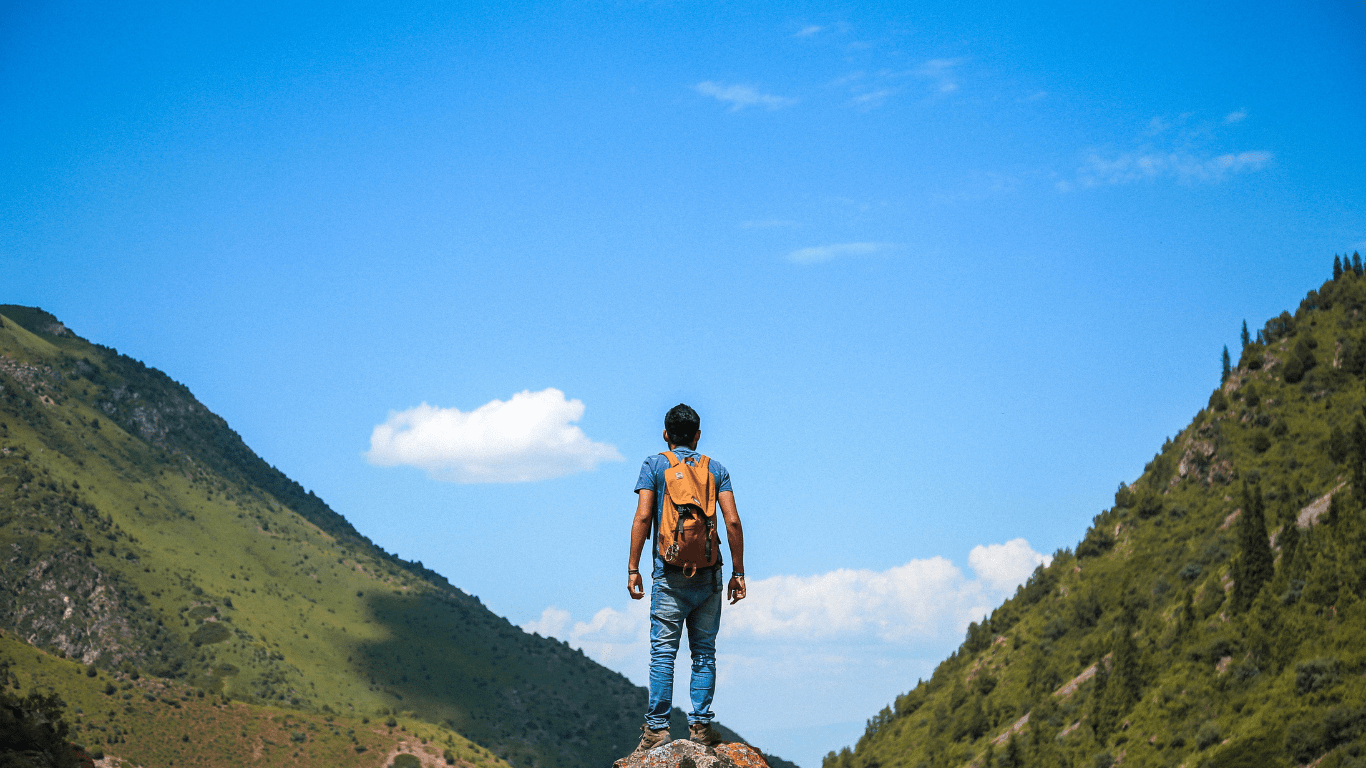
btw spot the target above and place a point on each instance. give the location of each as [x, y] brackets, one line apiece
[736, 589]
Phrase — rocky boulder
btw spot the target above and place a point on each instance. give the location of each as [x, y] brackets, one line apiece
[689, 754]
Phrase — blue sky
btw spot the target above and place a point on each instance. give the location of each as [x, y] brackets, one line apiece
[963, 267]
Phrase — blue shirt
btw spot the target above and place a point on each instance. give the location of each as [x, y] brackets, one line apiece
[652, 479]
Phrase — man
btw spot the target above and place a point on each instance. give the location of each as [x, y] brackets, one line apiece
[679, 598]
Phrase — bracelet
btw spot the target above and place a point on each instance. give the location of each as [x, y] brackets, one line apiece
[740, 575]
[632, 571]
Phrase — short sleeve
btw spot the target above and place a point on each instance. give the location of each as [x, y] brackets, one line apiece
[646, 481]
[718, 470]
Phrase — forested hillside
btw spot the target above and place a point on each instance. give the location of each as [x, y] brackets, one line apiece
[1213, 616]
[143, 539]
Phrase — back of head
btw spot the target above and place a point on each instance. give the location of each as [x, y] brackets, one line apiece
[682, 423]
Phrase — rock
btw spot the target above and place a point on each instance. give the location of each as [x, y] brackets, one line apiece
[742, 755]
[682, 753]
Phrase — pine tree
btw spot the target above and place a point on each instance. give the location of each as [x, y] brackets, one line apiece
[1337, 267]
[1224, 376]
[1246, 338]
[1356, 263]
[1256, 564]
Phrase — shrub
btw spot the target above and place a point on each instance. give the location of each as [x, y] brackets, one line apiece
[1208, 735]
[391, 722]
[1343, 724]
[1260, 442]
[1292, 370]
[1303, 741]
[1189, 571]
[1096, 543]
[1316, 675]
[1217, 401]
[406, 761]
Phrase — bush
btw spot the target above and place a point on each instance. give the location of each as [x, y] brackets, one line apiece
[1150, 505]
[391, 722]
[1343, 724]
[1316, 675]
[1217, 401]
[1208, 735]
[1303, 741]
[1293, 370]
[1260, 442]
[1096, 543]
[406, 761]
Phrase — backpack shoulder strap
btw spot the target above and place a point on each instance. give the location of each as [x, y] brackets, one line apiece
[673, 458]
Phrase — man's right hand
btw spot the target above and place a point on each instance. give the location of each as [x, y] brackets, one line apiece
[635, 586]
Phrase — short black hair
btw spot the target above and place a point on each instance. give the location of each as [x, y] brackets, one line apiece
[682, 423]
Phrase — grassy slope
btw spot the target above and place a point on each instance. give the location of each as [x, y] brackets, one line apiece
[144, 535]
[1188, 678]
[153, 721]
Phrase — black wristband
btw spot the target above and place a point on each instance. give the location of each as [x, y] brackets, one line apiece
[739, 575]
[631, 571]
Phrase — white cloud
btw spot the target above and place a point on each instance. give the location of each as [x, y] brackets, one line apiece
[529, 437]
[1002, 567]
[741, 96]
[943, 72]
[923, 600]
[1127, 167]
[808, 31]
[872, 98]
[1236, 117]
[820, 253]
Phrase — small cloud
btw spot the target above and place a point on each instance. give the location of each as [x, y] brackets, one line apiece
[1235, 117]
[1003, 566]
[768, 224]
[872, 98]
[808, 31]
[553, 622]
[741, 96]
[942, 72]
[1129, 167]
[823, 253]
[1156, 126]
[1036, 96]
[529, 437]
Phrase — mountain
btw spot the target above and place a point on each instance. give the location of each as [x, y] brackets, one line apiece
[144, 543]
[1213, 616]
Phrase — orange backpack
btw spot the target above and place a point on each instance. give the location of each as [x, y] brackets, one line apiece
[687, 531]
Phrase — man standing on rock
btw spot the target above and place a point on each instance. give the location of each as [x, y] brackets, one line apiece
[687, 570]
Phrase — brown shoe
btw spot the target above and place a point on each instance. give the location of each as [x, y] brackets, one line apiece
[703, 734]
[650, 739]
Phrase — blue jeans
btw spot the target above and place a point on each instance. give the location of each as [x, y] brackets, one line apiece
[676, 601]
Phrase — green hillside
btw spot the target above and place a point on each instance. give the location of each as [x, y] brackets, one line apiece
[142, 537]
[1212, 617]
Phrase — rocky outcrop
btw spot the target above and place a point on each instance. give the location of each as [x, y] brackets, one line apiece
[682, 753]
